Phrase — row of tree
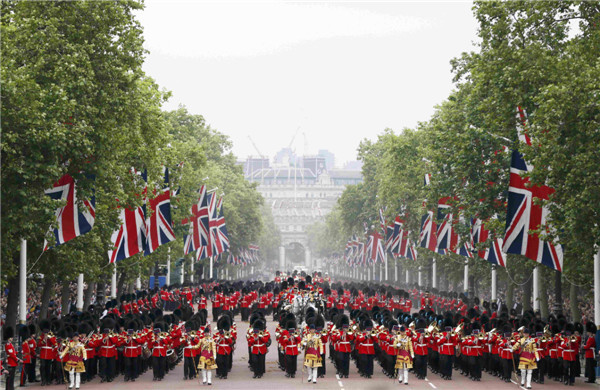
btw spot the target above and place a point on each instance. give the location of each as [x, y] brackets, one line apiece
[76, 100]
[542, 56]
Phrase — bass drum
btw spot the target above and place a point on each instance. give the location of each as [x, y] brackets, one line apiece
[146, 353]
[171, 357]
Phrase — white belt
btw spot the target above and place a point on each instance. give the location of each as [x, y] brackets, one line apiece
[223, 345]
[421, 345]
[344, 342]
[48, 347]
[367, 345]
[568, 350]
[258, 345]
[291, 346]
[108, 346]
[130, 347]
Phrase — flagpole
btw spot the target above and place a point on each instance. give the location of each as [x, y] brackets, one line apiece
[192, 270]
[536, 287]
[23, 283]
[113, 282]
[168, 281]
[385, 259]
[79, 305]
[182, 275]
[210, 274]
[420, 278]
[138, 282]
[597, 287]
[466, 281]
[396, 270]
[434, 274]
[494, 283]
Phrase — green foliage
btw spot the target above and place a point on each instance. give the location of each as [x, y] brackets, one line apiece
[529, 55]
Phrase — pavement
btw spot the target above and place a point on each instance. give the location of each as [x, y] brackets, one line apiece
[240, 377]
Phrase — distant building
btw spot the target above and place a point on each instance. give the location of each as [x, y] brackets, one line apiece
[299, 195]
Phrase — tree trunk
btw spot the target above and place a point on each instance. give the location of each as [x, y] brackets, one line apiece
[12, 304]
[65, 294]
[87, 297]
[575, 314]
[543, 296]
[120, 285]
[100, 293]
[46, 293]
[510, 292]
[527, 288]
[558, 302]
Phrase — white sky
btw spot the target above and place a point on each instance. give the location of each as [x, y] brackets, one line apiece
[341, 71]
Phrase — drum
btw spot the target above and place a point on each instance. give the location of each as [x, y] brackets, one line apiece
[171, 356]
[146, 353]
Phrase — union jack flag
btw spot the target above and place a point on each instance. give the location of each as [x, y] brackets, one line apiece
[159, 226]
[71, 222]
[218, 238]
[375, 252]
[394, 235]
[494, 254]
[407, 248]
[427, 237]
[198, 236]
[523, 215]
[131, 237]
[479, 235]
[447, 239]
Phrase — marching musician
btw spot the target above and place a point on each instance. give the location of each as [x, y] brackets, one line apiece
[365, 343]
[528, 357]
[257, 342]
[158, 346]
[224, 343]
[421, 348]
[405, 356]
[343, 340]
[570, 348]
[76, 355]
[208, 356]
[47, 343]
[289, 341]
[313, 349]
[28, 371]
[189, 352]
[131, 355]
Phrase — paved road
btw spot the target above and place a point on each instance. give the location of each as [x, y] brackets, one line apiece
[241, 377]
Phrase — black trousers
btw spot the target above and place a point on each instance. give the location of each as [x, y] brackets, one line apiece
[421, 365]
[259, 363]
[291, 364]
[158, 366]
[131, 367]
[366, 362]
[569, 371]
[540, 372]
[507, 367]
[45, 370]
[222, 365]
[446, 365]
[91, 367]
[59, 373]
[106, 367]
[590, 369]
[10, 378]
[321, 371]
[475, 367]
[344, 362]
[188, 367]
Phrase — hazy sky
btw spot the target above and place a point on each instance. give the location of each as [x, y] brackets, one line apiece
[341, 71]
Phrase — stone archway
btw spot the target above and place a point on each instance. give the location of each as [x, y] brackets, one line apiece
[294, 251]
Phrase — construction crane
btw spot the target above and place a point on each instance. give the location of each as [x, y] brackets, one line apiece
[293, 138]
[262, 159]
[305, 144]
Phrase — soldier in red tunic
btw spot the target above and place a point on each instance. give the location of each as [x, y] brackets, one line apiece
[11, 357]
[590, 352]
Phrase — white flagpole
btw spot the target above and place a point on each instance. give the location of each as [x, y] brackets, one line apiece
[597, 287]
[23, 283]
[494, 283]
[79, 305]
[536, 288]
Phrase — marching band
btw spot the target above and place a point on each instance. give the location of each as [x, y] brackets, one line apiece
[359, 322]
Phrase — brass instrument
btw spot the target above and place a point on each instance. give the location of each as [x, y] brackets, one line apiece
[457, 330]
[411, 325]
